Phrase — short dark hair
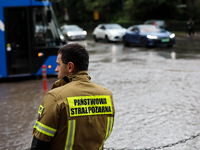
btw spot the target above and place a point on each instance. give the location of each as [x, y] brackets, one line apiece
[75, 53]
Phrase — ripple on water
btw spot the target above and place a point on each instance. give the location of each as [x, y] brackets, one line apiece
[157, 102]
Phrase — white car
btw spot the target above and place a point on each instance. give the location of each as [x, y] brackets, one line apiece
[73, 32]
[108, 32]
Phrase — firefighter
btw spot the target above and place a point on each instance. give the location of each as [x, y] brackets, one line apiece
[76, 114]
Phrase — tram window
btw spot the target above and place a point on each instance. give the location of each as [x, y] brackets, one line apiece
[44, 35]
[38, 17]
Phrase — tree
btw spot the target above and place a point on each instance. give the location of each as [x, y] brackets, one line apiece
[125, 11]
[151, 9]
[106, 8]
[81, 11]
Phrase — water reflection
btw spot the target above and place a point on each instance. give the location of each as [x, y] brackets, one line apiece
[157, 99]
[173, 55]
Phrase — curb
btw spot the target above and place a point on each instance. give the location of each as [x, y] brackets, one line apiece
[185, 35]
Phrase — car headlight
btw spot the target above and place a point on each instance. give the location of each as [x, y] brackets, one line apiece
[62, 37]
[152, 37]
[112, 32]
[69, 33]
[172, 35]
[84, 33]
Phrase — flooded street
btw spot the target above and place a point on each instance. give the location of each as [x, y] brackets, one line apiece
[156, 96]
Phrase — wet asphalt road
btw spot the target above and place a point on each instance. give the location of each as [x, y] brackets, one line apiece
[156, 95]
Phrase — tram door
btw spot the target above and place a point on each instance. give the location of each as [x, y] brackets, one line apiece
[17, 40]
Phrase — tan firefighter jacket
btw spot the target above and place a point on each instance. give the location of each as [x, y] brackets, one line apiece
[76, 114]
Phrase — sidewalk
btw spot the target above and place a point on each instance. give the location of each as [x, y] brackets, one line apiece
[185, 35]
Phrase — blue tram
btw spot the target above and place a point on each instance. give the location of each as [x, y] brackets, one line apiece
[30, 37]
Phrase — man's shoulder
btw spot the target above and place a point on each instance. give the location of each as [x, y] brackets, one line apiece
[55, 96]
[72, 88]
[57, 90]
[102, 88]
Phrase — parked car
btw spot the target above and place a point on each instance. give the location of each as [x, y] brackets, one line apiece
[108, 32]
[159, 23]
[73, 32]
[148, 35]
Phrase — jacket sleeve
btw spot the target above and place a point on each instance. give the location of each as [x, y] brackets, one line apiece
[39, 145]
[46, 126]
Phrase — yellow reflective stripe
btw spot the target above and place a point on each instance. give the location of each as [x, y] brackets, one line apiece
[45, 129]
[70, 134]
[111, 125]
[108, 130]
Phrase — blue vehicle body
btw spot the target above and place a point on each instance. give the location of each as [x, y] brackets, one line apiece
[30, 37]
[14, 3]
[148, 35]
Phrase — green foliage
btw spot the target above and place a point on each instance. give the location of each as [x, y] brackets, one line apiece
[98, 5]
[151, 9]
[123, 11]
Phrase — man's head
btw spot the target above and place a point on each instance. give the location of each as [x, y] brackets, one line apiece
[71, 58]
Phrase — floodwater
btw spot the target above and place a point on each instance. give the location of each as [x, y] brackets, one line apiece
[156, 96]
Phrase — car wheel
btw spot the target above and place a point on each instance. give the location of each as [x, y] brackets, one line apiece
[106, 39]
[95, 38]
[125, 41]
[143, 42]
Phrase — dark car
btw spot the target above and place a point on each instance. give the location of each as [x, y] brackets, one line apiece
[148, 35]
[159, 23]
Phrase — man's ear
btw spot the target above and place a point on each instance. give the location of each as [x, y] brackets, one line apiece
[71, 67]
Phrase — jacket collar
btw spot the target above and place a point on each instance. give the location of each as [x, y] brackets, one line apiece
[80, 75]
